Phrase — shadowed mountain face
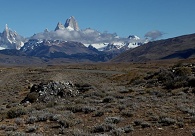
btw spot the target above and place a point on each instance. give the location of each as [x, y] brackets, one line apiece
[49, 50]
[182, 47]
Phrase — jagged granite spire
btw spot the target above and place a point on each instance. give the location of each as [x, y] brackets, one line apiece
[6, 27]
[6, 32]
[10, 39]
[71, 24]
[59, 26]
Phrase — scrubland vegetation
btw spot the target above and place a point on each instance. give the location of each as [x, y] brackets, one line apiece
[154, 98]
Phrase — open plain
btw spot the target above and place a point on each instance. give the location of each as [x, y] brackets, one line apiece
[153, 98]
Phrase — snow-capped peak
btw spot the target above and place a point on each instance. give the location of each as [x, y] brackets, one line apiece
[10, 39]
[134, 37]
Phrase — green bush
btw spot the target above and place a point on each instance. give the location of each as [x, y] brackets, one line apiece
[32, 97]
[16, 112]
[183, 71]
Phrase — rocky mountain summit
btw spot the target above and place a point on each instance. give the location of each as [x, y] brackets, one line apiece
[10, 39]
[70, 24]
[59, 26]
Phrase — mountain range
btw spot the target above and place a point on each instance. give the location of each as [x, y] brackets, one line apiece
[67, 41]
[181, 47]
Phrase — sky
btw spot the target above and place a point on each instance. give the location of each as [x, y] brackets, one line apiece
[169, 18]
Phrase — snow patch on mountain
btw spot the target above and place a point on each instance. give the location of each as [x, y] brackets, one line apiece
[133, 37]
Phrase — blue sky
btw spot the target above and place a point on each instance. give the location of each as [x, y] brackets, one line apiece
[124, 17]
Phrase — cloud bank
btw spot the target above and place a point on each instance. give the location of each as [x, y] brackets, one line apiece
[87, 36]
[154, 34]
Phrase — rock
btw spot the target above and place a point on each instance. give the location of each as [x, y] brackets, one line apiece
[51, 90]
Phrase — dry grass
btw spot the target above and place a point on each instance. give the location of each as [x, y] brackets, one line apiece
[122, 99]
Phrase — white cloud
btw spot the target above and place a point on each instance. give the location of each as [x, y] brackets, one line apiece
[87, 36]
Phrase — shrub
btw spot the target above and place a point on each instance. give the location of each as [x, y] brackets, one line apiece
[11, 128]
[31, 129]
[166, 121]
[31, 120]
[3, 127]
[191, 82]
[16, 133]
[123, 91]
[145, 124]
[193, 132]
[75, 108]
[127, 113]
[32, 97]
[113, 120]
[39, 106]
[121, 107]
[128, 129]
[108, 99]
[88, 109]
[65, 123]
[16, 112]
[83, 87]
[177, 82]
[43, 117]
[165, 76]
[55, 117]
[51, 104]
[137, 122]
[183, 71]
[103, 128]
[98, 114]
[78, 132]
[180, 124]
[19, 121]
[117, 132]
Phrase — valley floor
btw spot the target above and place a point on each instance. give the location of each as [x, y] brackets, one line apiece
[154, 98]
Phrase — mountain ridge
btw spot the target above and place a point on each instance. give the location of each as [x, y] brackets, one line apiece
[70, 31]
[173, 48]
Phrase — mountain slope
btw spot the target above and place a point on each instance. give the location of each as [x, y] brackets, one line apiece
[62, 49]
[181, 47]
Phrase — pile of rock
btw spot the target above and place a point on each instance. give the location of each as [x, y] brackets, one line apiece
[52, 90]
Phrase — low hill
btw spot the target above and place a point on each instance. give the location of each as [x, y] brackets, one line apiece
[181, 47]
